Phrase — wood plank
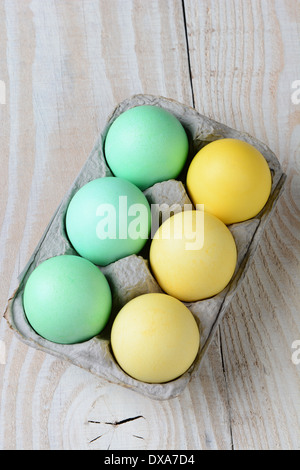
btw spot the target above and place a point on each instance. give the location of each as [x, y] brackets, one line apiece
[67, 64]
[244, 58]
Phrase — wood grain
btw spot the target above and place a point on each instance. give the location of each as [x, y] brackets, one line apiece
[246, 73]
[65, 66]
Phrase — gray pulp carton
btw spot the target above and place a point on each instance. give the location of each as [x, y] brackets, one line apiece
[131, 276]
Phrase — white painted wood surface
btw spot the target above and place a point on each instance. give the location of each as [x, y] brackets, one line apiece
[65, 65]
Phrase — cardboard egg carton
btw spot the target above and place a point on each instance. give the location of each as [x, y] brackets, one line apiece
[131, 276]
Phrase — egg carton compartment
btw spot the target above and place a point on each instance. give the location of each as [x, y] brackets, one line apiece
[131, 276]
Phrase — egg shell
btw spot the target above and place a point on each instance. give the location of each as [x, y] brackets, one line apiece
[67, 299]
[146, 145]
[155, 338]
[231, 178]
[193, 255]
[108, 219]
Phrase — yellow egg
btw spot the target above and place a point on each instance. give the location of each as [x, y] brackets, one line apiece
[193, 255]
[231, 178]
[155, 338]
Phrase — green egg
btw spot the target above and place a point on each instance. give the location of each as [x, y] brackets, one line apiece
[146, 145]
[108, 219]
[67, 299]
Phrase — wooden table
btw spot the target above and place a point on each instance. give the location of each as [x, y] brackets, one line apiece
[64, 66]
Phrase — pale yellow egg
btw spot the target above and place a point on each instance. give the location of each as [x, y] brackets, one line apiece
[155, 338]
[231, 178]
[193, 255]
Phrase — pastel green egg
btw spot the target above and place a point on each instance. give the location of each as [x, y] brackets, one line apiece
[67, 299]
[146, 145]
[108, 219]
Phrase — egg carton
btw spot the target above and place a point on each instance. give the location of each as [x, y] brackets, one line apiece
[131, 276]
